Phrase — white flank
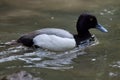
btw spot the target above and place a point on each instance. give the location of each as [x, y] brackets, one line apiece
[54, 43]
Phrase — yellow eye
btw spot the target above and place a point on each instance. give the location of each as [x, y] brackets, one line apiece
[91, 19]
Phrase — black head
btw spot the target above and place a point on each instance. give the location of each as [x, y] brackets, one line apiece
[86, 22]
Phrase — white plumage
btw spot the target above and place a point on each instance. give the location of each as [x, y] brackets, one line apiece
[54, 42]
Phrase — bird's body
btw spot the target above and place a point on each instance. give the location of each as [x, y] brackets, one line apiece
[59, 39]
[49, 38]
[54, 42]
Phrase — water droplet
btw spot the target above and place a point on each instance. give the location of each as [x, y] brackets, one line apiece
[93, 59]
[52, 18]
[101, 13]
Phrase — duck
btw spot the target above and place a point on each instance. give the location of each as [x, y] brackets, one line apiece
[56, 39]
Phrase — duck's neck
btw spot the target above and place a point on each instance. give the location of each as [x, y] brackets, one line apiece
[81, 37]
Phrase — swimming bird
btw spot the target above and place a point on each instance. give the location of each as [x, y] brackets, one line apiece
[55, 39]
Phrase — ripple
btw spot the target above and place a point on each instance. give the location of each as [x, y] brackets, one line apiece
[116, 64]
[44, 58]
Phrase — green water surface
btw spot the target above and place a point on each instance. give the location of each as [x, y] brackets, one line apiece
[100, 62]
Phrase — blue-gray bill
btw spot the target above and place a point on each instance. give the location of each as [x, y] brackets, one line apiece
[101, 28]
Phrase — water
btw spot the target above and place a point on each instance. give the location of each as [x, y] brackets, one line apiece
[44, 58]
[98, 62]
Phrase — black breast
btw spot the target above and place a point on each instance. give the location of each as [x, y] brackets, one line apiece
[79, 38]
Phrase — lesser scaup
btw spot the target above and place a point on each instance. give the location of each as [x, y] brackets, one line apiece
[59, 39]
